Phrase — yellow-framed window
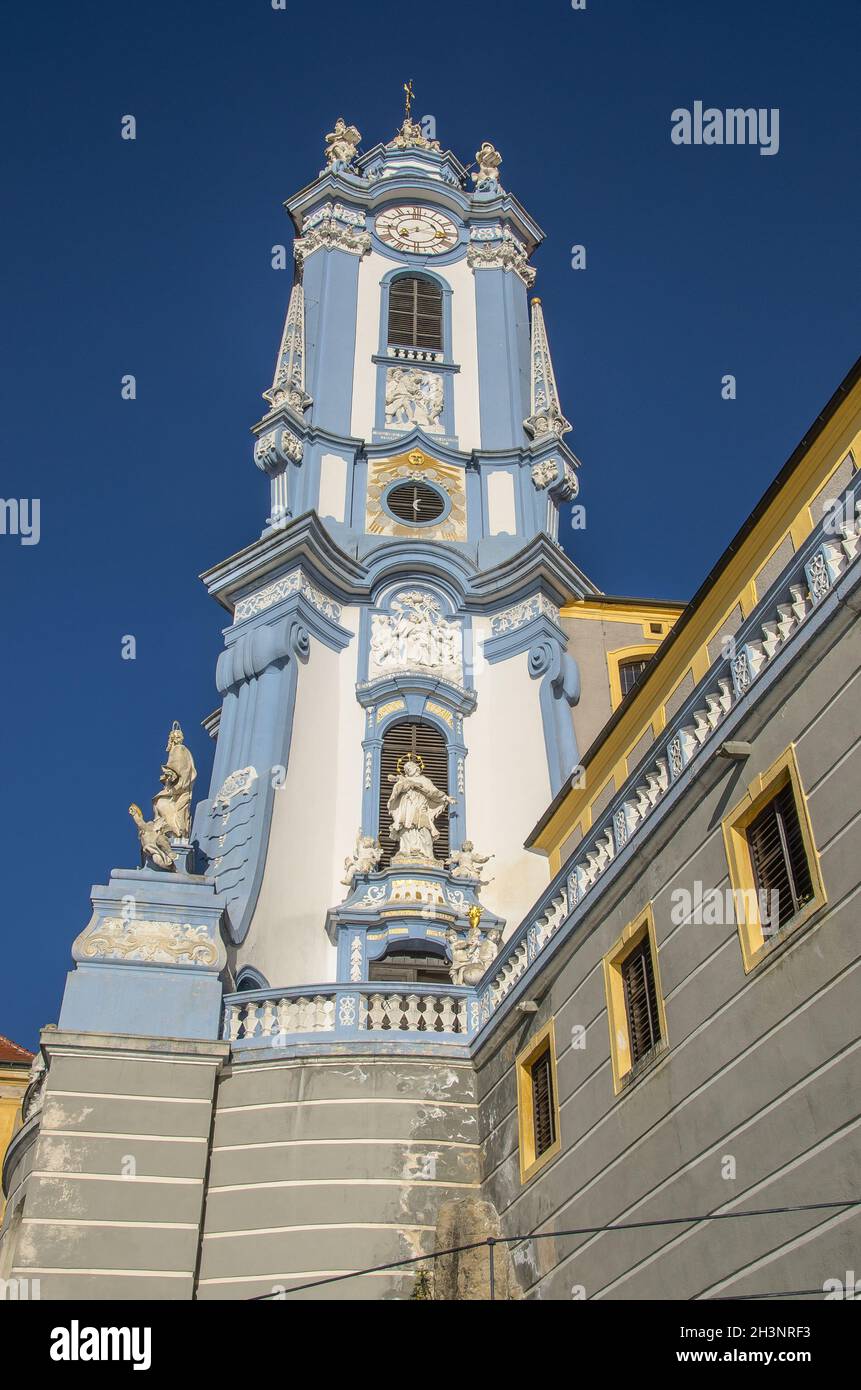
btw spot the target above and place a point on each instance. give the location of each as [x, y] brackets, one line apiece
[773, 863]
[538, 1103]
[635, 1004]
[625, 667]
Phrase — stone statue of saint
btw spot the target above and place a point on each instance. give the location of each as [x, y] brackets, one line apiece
[172, 805]
[341, 146]
[414, 805]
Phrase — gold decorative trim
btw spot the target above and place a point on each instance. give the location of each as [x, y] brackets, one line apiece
[416, 464]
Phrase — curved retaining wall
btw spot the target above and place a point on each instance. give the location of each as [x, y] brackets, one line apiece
[326, 1166]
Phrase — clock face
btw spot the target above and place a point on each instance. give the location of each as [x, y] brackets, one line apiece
[417, 229]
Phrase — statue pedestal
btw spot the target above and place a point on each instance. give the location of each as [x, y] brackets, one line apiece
[150, 961]
[413, 902]
[182, 852]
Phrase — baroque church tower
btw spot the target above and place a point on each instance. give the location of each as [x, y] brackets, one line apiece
[400, 702]
[401, 608]
[309, 1043]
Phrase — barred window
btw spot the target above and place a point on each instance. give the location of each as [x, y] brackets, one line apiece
[631, 671]
[415, 313]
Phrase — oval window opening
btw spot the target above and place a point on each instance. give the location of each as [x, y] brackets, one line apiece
[415, 502]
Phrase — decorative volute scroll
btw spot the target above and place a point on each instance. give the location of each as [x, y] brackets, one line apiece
[545, 416]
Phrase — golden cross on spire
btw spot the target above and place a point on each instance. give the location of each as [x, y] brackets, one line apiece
[408, 88]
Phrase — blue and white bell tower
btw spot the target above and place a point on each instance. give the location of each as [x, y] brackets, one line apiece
[400, 612]
[408, 575]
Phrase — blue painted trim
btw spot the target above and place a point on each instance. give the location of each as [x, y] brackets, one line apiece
[331, 281]
[502, 330]
[510, 644]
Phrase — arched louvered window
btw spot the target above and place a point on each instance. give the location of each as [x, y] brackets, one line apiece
[400, 740]
[415, 313]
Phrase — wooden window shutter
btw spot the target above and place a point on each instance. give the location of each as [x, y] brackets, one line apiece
[415, 313]
[543, 1107]
[779, 858]
[641, 1001]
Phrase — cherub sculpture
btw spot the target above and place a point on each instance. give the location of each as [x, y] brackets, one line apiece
[153, 837]
[465, 863]
[341, 146]
[488, 160]
[364, 859]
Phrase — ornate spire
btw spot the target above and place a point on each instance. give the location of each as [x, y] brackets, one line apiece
[288, 387]
[545, 414]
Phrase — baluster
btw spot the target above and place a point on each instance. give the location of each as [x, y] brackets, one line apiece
[234, 1023]
[267, 1018]
[250, 1019]
[414, 1018]
[394, 1009]
[446, 1014]
[376, 1012]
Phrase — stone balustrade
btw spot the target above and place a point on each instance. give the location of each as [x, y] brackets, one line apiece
[337, 1014]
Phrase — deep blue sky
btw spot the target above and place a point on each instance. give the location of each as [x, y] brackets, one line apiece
[153, 257]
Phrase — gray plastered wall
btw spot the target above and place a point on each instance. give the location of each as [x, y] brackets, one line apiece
[762, 1068]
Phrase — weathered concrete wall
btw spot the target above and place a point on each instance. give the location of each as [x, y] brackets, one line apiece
[324, 1166]
[761, 1067]
[106, 1203]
